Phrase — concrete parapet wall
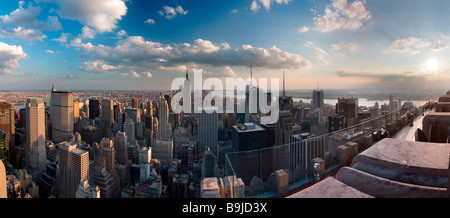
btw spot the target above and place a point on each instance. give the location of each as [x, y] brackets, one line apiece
[439, 132]
[330, 188]
[409, 157]
[400, 176]
[384, 188]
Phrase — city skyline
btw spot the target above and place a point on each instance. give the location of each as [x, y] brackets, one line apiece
[129, 45]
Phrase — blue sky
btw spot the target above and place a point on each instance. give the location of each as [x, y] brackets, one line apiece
[138, 44]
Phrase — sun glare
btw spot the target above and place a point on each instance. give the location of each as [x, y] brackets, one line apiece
[430, 65]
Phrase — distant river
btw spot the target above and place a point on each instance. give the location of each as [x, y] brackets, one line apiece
[361, 102]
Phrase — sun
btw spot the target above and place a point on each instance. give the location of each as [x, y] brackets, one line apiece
[430, 65]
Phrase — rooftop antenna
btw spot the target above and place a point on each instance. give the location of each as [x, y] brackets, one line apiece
[284, 84]
[251, 67]
[187, 72]
[53, 87]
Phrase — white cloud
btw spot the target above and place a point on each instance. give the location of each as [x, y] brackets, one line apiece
[26, 18]
[255, 6]
[439, 44]
[50, 51]
[234, 11]
[319, 53]
[135, 53]
[103, 15]
[150, 21]
[342, 15]
[267, 4]
[171, 12]
[79, 44]
[135, 75]
[9, 57]
[96, 66]
[410, 44]
[303, 29]
[147, 74]
[121, 34]
[228, 72]
[345, 46]
[124, 74]
[88, 32]
[19, 33]
[62, 38]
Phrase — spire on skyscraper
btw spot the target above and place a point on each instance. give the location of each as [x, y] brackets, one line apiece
[284, 83]
[251, 67]
[187, 73]
[53, 87]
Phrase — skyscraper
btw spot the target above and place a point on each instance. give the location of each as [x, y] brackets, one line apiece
[94, 108]
[73, 168]
[35, 154]
[317, 99]
[3, 146]
[187, 94]
[122, 146]
[76, 108]
[7, 124]
[107, 116]
[208, 129]
[62, 114]
[134, 103]
[348, 107]
[164, 127]
[163, 150]
[149, 109]
[128, 128]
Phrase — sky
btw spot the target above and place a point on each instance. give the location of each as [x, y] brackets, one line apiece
[145, 45]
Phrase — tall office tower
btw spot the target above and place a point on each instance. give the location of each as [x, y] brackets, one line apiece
[61, 115]
[94, 108]
[7, 124]
[108, 153]
[187, 94]
[73, 168]
[134, 103]
[121, 117]
[122, 147]
[107, 116]
[128, 128]
[149, 109]
[134, 114]
[76, 108]
[163, 150]
[117, 109]
[317, 100]
[35, 154]
[250, 102]
[3, 147]
[209, 165]
[145, 155]
[133, 152]
[208, 131]
[105, 175]
[164, 127]
[348, 107]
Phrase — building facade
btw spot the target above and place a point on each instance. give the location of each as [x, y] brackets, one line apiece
[35, 153]
[62, 114]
